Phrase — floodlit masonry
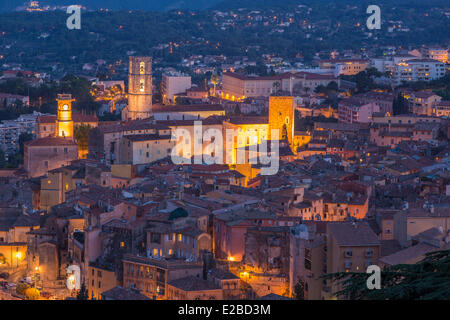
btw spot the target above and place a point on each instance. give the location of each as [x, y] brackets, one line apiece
[209, 146]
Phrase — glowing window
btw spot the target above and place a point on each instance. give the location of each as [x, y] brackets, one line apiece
[142, 86]
[142, 68]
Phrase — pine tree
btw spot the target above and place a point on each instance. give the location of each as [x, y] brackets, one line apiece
[83, 293]
[299, 290]
[426, 280]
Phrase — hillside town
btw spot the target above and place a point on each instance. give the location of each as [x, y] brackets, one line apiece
[222, 177]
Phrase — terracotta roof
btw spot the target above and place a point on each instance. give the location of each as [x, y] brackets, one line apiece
[181, 123]
[286, 75]
[141, 124]
[192, 283]
[197, 89]
[119, 293]
[76, 117]
[248, 120]
[353, 234]
[50, 141]
[406, 255]
[444, 103]
[188, 108]
[147, 137]
[423, 60]
[424, 94]
[342, 60]
[273, 296]
[11, 96]
[244, 77]
[222, 275]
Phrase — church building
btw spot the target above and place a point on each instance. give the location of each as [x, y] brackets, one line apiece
[139, 89]
[44, 154]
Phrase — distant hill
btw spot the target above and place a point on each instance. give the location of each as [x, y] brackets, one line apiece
[150, 5]
[165, 5]
[264, 4]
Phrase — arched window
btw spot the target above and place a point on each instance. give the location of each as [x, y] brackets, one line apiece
[142, 68]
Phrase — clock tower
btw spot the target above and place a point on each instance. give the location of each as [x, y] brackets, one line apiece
[64, 123]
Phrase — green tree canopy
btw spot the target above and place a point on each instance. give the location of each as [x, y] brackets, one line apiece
[83, 293]
[428, 279]
[81, 134]
[21, 288]
[299, 290]
[178, 213]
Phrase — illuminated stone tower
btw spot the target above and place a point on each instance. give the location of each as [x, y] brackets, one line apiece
[281, 117]
[64, 123]
[139, 89]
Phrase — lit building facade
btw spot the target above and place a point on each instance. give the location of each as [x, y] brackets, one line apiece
[44, 154]
[139, 89]
[439, 54]
[353, 110]
[173, 84]
[281, 117]
[64, 122]
[418, 70]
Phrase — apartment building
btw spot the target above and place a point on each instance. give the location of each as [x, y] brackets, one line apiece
[439, 54]
[145, 148]
[347, 67]
[237, 87]
[442, 109]
[10, 131]
[423, 102]
[418, 70]
[353, 110]
[172, 84]
[151, 276]
[351, 247]
[101, 279]
[384, 100]
[11, 100]
[182, 241]
[187, 112]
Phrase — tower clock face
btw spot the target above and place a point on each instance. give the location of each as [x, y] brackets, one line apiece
[65, 107]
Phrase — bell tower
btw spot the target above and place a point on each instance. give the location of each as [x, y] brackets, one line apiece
[64, 123]
[139, 89]
[282, 116]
